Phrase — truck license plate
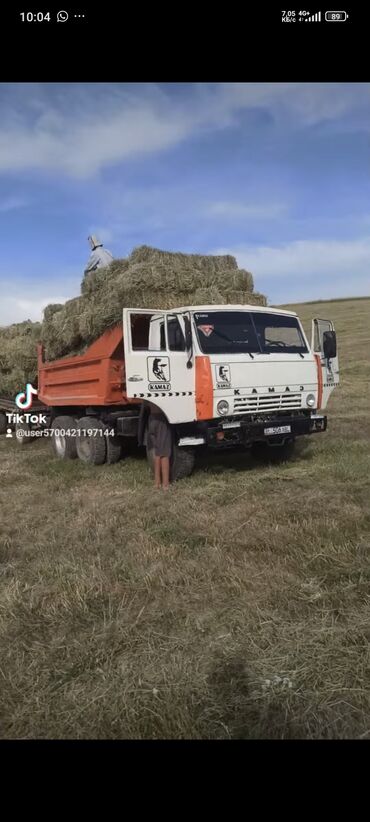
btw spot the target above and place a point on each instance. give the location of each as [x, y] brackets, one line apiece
[231, 424]
[279, 429]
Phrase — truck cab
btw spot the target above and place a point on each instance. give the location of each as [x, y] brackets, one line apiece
[228, 374]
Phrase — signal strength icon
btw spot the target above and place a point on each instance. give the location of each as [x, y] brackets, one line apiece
[315, 18]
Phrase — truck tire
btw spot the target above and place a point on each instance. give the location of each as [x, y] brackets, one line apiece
[3, 423]
[91, 449]
[182, 462]
[114, 448]
[64, 446]
[181, 465]
[273, 453]
[22, 429]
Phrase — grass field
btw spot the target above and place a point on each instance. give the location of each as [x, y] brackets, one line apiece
[235, 606]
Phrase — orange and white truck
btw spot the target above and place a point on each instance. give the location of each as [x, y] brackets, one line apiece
[223, 375]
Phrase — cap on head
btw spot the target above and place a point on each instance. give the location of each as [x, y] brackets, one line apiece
[94, 242]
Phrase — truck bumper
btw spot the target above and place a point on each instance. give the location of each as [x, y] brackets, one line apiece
[273, 431]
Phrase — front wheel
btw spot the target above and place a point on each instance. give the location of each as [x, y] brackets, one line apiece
[273, 453]
[181, 462]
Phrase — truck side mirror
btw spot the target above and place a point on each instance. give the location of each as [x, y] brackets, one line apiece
[329, 344]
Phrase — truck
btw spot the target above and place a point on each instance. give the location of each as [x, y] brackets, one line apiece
[239, 376]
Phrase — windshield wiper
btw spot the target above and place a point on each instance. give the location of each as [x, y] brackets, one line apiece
[233, 342]
[279, 343]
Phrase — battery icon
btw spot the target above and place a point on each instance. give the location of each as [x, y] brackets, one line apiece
[336, 16]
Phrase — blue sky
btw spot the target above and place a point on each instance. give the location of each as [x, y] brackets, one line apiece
[276, 174]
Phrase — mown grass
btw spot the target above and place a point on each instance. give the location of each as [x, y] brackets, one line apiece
[236, 606]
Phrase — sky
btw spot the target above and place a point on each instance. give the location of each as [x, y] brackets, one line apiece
[277, 174]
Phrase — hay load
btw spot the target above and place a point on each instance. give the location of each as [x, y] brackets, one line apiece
[18, 359]
[148, 278]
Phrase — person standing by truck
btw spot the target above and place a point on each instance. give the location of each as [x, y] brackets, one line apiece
[159, 440]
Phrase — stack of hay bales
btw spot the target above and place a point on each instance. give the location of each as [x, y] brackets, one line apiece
[149, 278]
[18, 357]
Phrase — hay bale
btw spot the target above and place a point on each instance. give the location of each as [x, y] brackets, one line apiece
[178, 260]
[18, 356]
[51, 309]
[148, 278]
[61, 332]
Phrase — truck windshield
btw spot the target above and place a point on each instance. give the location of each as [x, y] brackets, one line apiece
[250, 332]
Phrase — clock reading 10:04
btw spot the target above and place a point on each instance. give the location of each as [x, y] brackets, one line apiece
[35, 16]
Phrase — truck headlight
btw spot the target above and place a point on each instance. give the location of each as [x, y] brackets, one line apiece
[223, 407]
[310, 400]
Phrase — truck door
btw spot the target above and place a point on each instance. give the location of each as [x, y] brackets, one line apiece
[156, 362]
[144, 345]
[324, 342]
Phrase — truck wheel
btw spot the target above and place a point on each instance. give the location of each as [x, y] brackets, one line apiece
[22, 430]
[273, 453]
[63, 445]
[182, 462]
[91, 448]
[114, 448]
[3, 423]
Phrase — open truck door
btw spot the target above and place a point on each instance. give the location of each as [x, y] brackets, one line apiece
[324, 346]
[157, 361]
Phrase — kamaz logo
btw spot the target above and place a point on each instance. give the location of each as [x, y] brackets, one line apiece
[271, 390]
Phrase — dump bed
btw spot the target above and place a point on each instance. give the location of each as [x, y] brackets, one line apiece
[96, 377]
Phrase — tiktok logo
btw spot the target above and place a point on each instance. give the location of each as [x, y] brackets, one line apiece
[24, 398]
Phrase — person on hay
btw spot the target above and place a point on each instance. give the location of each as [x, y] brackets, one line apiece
[99, 257]
[155, 432]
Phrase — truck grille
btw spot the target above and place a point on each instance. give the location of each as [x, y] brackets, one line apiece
[267, 402]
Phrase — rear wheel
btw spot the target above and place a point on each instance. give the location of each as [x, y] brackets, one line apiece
[62, 443]
[91, 446]
[273, 453]
[3, 423]
[114, 448]
[22, 433]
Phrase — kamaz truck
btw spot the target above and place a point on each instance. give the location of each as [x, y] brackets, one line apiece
[223, 375]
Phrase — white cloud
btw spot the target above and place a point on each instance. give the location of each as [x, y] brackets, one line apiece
[306, 103]
[25, 301]
[305, 269]
[236, 210]
[80, 130]
[81, 145]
